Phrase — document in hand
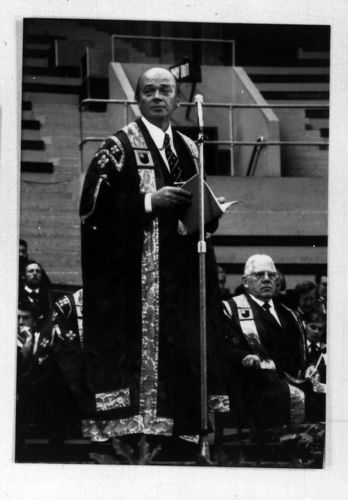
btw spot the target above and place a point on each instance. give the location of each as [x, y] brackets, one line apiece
[212, 208]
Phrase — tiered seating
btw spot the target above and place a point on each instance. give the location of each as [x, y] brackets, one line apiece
[305, 83]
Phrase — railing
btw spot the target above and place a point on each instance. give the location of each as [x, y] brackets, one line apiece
[172, 39]
[229, 106]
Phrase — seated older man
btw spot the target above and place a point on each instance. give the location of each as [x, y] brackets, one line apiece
[266, 354]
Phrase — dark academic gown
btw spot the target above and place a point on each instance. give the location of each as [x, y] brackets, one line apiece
[141, 296]
[265, 397]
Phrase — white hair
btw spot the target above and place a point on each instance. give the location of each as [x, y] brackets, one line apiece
[256, 259]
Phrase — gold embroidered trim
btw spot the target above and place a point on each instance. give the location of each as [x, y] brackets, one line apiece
[95, 196]
[100, 430]
[297, 405]
[219, 403]
[106, 401]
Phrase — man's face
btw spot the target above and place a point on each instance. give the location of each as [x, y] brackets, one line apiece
[33, 275]
[261, 279]
[322, 287]
[315, 330]
[25, 318]
[307, 300]
[157, 96]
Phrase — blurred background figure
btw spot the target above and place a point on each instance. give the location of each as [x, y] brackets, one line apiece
[34, 289]
[321, 282]
[306, 294]
[316, 347]
[225, 292]
[23, 258]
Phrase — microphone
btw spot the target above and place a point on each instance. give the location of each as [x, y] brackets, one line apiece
[199, 101]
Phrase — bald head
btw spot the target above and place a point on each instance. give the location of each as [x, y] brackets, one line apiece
[157, 96]
[155, 71]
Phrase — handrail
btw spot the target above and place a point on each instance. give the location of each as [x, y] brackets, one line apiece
[171, 39]
[230, 107]
[255, 156]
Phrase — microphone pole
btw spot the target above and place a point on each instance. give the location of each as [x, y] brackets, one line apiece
[202, 249]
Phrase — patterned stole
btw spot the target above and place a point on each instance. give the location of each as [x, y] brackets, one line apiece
[249, 329]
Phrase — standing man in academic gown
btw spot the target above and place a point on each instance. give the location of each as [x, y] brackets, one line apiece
[141, 279]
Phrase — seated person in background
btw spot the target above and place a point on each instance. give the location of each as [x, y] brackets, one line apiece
[305, 294]
[68, 340]
[316, 348]
[35, 290]
[23, 259]
[225, 292]
[282, 294]
[44, 401]
[266, 354]
[321, 282]
[32, 350]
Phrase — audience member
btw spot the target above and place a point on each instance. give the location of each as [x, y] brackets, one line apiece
[321, 282]
[23, 258]
[68, 341]
[266, 354]
[305, 293]
[316, 348]
[34, 289]
[225, 292]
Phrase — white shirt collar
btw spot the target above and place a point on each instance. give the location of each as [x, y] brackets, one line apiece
[157, 134]
[261, 302]
[28, 289]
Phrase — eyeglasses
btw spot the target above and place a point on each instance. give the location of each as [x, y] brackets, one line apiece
[260, 275]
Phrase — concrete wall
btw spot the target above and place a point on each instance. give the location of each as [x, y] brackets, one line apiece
[250, 124]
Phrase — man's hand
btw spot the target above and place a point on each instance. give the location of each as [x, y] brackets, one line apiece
[251, 361]
[169, 196]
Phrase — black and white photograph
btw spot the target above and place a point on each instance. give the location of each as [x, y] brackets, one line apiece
[172, 232]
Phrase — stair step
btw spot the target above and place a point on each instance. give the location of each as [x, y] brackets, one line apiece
[33, 145]
[42, 167]
[317, 113]
[38, 45]
[286, 70]
[297, 96]
[26, 105]
[34, 62]
[49, 97]
[31, 124]
[51, 88]
[52, 80]
[289, 78]
[293, 87]
[36, 53]
[34, 38]
[306, 54]
[58, 71]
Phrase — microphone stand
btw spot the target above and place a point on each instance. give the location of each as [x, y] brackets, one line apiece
[201, 249]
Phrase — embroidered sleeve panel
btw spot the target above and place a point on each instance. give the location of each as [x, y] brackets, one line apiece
[111, 154]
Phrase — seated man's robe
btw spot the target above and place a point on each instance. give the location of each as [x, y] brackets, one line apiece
[270, 395]
[141, 296]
